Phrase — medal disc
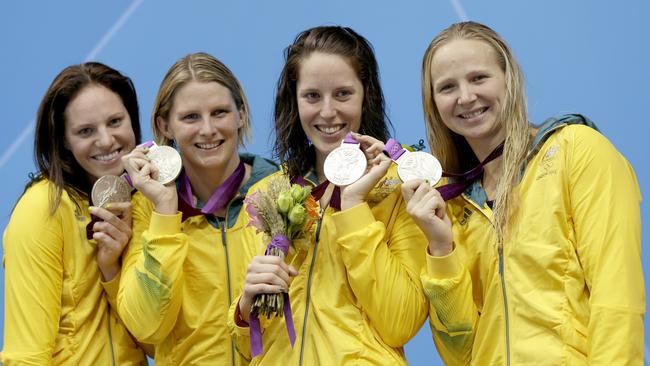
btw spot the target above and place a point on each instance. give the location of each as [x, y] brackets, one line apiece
[419, 165]
[345, 165]
[108, 189]
[168, 162]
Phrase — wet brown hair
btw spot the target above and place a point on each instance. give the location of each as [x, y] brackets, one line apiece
[292, 147]
[55, 162]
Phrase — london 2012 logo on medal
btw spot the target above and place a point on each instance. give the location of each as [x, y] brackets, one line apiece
[413, 164]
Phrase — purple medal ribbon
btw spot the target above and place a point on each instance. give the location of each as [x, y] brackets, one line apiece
[219, 199]
[280, 242]
[394, 150]
[451, 190]
[318, 191]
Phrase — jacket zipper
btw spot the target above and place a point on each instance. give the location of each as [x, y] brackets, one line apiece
[505, 302]
[110, 336]
[504, 294]
[311, 268]
[224, 242]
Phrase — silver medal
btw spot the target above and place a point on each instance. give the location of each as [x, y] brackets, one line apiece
[345, 164]
[168, 162]
[109, 189]
[419, 165]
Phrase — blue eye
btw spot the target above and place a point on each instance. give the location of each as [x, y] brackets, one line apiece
[445, 88]
[190, 117]
[479, 78]
[343, 94]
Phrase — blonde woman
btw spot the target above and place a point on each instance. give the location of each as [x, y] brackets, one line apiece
[189, 252]
[536, 259]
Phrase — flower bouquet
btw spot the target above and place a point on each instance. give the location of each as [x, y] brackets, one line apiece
[284, 213]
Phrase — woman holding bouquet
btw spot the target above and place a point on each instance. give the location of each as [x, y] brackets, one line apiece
[355, 294]
[190, 244]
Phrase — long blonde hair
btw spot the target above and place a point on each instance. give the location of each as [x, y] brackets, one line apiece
[204, 68]
[452, 149]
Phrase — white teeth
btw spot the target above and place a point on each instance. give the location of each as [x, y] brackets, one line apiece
[330, 129]
[208, 146]
[107, 157]
[474, 114]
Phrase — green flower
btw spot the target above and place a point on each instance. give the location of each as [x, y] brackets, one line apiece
[284, 202]
[297, 215]
[297, 193]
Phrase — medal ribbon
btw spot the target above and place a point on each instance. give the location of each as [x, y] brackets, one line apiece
[224, 193]
[280, 242]
[318, 191]
[451, 190]
[394, 150]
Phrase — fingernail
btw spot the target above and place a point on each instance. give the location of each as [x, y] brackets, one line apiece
[109, 205]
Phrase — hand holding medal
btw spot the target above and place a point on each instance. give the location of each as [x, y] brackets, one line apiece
[151, 169]
[166, 164]
[356, 167]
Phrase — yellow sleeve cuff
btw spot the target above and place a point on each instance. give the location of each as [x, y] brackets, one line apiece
[443, 267]
[353, 219]
[111, 287]
[165, 224]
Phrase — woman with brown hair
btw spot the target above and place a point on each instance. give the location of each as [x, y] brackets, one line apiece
[58, 283]
[355, 295]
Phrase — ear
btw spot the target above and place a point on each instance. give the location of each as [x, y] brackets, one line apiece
[163, 126]
[242, 117]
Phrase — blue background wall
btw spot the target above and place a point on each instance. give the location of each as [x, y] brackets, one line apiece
[581, 56]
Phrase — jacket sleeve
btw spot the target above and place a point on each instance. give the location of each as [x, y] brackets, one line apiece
[33, 260]
[110, 288]
[240, 333]
[605, 200]
[383, 268]
[452, 313]
[150, 290]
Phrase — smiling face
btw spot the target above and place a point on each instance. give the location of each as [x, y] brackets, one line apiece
[204, 122]
[98, 131]
[330, 96]
[469, 91]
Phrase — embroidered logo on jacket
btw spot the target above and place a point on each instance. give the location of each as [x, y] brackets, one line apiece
[466, 215]
[547, 165]
[385, 187]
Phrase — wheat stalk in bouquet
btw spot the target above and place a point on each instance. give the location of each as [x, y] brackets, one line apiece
[284, 212]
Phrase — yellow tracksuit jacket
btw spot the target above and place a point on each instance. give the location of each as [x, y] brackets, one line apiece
[179, 278]
[56, 307]
[357, 298]
[567, 286]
